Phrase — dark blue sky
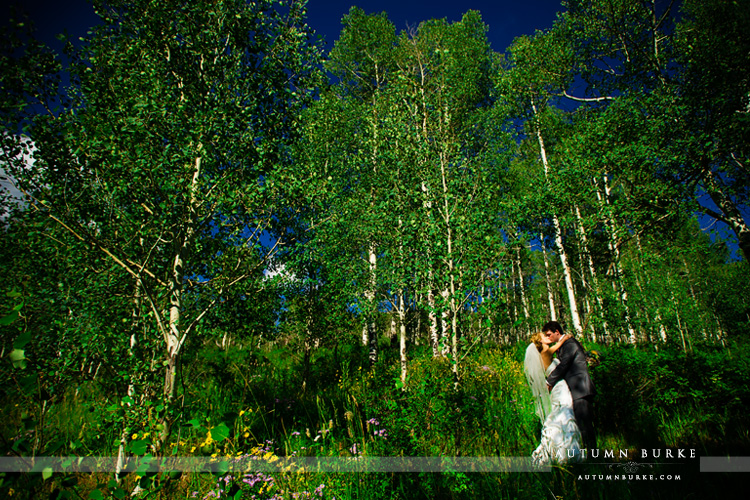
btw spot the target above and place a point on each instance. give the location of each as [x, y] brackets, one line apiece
[506, 19]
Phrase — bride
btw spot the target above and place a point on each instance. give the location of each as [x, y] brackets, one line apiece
[561, 439]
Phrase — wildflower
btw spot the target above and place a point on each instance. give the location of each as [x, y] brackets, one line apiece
[373, 421]
[319, 490]
[295, 433]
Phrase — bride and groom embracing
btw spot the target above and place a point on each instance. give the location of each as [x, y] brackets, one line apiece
[563, 394]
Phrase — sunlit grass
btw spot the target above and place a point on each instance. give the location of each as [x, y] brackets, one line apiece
[348, 410]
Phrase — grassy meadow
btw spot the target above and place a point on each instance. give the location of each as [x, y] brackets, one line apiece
[249, 404]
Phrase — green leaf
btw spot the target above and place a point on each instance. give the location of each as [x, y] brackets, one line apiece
[220, 432]
[46, 473]
[18, 358]
[22, 340]
[139, 446]
[10, 318]
[96, 495]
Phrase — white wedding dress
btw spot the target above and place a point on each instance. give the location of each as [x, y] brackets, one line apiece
[561, 438]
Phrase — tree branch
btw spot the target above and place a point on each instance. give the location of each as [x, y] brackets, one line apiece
[586, 99]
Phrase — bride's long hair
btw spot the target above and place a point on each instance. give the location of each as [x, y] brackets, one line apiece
[536, 339]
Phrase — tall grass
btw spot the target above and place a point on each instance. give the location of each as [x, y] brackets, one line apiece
[347, 410]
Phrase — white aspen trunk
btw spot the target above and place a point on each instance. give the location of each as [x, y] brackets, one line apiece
[427, 206]
[372, 251]
[662, 328]
[618, 265]
[524, 302]
[402, 338]
[720, 334]
[444, 342]
[592, 272]
[513, 287]
[173, 334]
[450, 257]
[448, 293]
[131, 387]
[393, 327]
[370, 296]
[679, 321]
[639, 279]
[615, 249]
[431, 306]
[693, 296]
[550, 292]
[574, 316]
[432, 317]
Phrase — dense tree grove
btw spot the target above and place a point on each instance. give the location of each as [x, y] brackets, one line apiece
[201, 173]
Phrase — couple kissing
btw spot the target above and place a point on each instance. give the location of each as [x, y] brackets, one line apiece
[563, 395]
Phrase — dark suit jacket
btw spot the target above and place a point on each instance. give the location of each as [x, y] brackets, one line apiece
[574, 369]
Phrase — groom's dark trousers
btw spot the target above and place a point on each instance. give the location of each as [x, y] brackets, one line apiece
[574, 370]
[584, 412]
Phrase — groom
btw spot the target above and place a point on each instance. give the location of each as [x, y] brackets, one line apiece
[574, 370]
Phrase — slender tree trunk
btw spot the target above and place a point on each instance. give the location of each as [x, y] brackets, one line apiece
[175, 338]
[431, 305]
[703, 319]
[574, 316]
[679, 321]
[449, 295]
[370, 316]
[444, 326]
[393, 333]
[615, 249]
[550, 291]
[402, 338]
[135, 317]
[427, 206]
[524, 302]
[513, 287]
[592, 272]
[662, 328]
